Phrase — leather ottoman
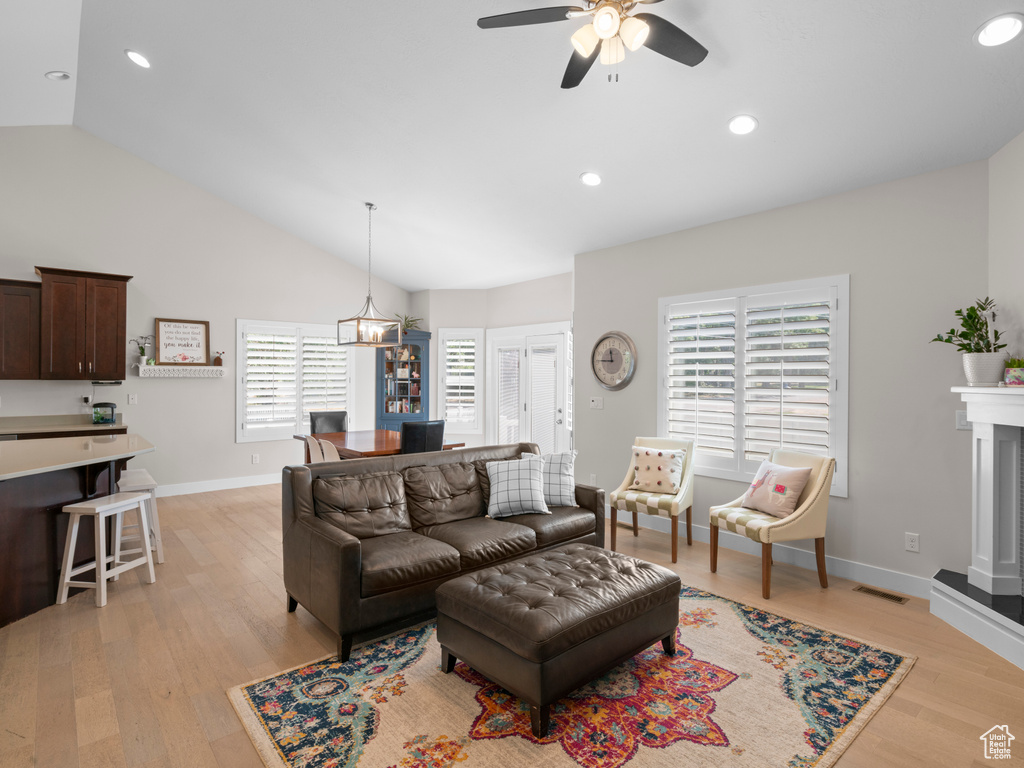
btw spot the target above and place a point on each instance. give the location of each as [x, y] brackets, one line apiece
[546, 624]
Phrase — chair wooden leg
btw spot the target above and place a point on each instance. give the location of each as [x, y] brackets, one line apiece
[615, 526]
[819, 552]
[689, 526]
[636, 524]
[101, 561]
[675, 537]
[766, 570]
[714, 548]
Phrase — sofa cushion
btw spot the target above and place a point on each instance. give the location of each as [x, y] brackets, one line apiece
[363, 505]
[482, 476]
[517, 487]
[405, 559]
[442, 494]
[563, 524]
[483, 540]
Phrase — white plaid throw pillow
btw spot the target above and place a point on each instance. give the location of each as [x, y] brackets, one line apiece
[517, 487]
[559, 478]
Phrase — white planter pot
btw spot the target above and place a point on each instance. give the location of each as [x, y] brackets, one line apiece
[984, 369]
[141, 360]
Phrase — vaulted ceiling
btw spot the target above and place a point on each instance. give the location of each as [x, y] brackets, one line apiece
[299, 112]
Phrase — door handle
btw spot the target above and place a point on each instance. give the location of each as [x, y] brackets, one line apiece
[558, 421]
[79, 366]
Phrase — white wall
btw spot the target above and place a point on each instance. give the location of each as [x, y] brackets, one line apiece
[545, 300]
[915, 249]
[1006, 241]
[70, 200]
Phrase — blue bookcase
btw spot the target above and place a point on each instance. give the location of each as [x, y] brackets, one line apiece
[403, 381]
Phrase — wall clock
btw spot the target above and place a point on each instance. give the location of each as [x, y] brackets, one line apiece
[613, 360]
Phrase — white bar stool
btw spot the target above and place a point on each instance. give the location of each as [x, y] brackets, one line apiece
[141, 480]
[106, 565]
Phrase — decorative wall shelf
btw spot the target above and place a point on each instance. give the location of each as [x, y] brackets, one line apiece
[181, 372]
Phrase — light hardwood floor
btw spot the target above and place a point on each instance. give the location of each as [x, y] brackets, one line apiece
[141, 682]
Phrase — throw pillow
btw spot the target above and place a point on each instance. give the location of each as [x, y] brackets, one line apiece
[775, 489]
[657, 470]
[517, 487]
[559, 478]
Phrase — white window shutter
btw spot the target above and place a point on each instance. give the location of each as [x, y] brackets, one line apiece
[270, 380]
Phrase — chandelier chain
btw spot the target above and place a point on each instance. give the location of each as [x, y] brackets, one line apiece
[370, 208]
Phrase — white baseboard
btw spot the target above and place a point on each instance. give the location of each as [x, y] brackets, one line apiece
[872, 575]
[978, 622]
[225, 484]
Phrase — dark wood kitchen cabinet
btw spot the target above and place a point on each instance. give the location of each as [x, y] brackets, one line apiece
[19, 329]
[82, 327]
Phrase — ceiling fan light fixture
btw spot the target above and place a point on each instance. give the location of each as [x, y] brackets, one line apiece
[741, 125]
[585, 40]
[606, 21]
[634, 32]
[137, 58]
[612, 51]
[1001, 29]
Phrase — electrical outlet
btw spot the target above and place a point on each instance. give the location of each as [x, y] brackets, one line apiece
[255, 458]
[86, 399]
[133, 399]
[912, 541]
[961, 421]
[597, 403]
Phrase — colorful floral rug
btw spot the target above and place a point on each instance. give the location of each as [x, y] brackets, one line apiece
[745, 688]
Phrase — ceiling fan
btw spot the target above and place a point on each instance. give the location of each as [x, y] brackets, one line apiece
[611, 30]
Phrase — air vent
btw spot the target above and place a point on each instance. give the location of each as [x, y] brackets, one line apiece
[883, 595]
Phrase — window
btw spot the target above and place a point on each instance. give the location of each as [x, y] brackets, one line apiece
[748, 371]
[461, 365]
[288, 370]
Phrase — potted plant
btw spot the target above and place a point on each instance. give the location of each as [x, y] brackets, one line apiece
[1014, 376]
[141, 343]
[409, 323]
[978, 339]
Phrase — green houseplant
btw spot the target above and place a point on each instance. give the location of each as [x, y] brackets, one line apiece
[978, 339]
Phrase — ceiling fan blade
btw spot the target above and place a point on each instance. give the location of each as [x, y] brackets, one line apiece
[669, 40]
[647, 2]
[521, 18]
[578, 68]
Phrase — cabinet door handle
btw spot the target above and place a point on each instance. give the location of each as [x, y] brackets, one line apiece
[90, 366]
[79, 366]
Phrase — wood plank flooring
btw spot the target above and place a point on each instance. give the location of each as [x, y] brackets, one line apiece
[142, 681]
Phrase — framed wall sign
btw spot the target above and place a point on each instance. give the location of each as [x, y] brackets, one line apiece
[182, 342]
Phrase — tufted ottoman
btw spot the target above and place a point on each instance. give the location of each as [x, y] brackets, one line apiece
[545, 624]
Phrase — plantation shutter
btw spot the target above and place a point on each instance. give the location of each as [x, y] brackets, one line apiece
[270, 380]
[787, 359]
[508, 395]
[701, 375]
[325, 375]
[460, 380]
[543, 396]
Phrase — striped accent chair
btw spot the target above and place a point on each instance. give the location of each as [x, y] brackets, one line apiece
[807, 521]
[669, 505]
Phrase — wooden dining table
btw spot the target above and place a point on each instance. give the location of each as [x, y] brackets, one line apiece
[366, 442]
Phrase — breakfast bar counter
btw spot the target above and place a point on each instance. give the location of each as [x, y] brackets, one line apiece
[37, 479]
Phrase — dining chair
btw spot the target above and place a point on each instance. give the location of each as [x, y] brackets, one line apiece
[422, 436]
[316, 454]
[807, 521]
[328, 421]
[330, 451]
[670, 505]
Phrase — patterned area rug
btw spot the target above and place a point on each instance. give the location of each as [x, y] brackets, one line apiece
[745, 688]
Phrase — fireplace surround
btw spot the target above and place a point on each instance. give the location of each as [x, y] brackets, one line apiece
[986, 603]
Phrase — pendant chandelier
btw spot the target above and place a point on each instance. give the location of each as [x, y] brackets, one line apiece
[372, 328]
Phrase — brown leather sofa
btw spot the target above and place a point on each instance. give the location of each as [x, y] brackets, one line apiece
[367, 541]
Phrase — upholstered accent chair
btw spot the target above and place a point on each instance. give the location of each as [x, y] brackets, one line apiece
[670, 505]
[806, 522]
[328, 421]
[315, 452]
[330, 451]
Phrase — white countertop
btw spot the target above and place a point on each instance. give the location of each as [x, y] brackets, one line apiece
[32, 457]
[27, 425]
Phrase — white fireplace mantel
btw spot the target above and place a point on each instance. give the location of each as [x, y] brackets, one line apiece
[987, 604]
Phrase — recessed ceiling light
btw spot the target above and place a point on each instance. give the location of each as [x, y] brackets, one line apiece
[590, 178]
[137, 58]
[1001, 29]
[57, 74]
[742, 124]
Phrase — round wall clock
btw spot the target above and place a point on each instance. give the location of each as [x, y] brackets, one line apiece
[613, 360]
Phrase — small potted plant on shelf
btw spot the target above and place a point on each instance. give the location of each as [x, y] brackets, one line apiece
[1014, 376]
[141, 343]
[978, 339]
[409, 323]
